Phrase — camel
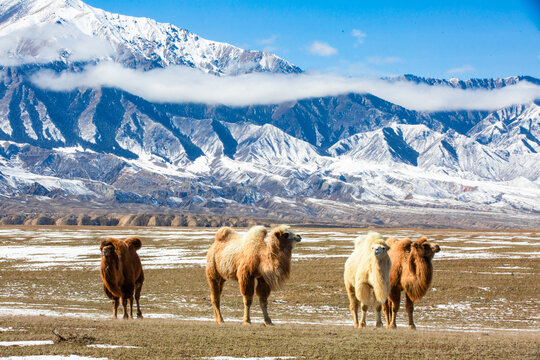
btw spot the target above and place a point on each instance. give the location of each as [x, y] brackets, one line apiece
[258, 265]
[122, 273]
[412, 272]
[366, 276]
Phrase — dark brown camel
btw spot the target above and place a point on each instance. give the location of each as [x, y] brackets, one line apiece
[122, 273]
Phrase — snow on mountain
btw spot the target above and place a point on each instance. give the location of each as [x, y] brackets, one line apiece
[203, 134]
[516, 129]
[328, 158]
[489, 84]
[135, 152]
[48, 30]
[448, 152]
[139, 134]
[269, 145]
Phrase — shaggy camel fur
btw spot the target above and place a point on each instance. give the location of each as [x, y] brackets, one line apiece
[257, 265]
[412, 272]
[122, 273]
[366, 276]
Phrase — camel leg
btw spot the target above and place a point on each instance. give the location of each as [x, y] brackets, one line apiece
[124, 305]
[353, 305]
[363, 318]
[394, 298]
[363, 293]
[130, 301]
[138, 288]
[409, 305]
[386, 310]
[216, 286]
[379, 319]
[263, 292]
[247, 289]
[115, 302]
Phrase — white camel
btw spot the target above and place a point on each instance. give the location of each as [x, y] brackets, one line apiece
[366, 276]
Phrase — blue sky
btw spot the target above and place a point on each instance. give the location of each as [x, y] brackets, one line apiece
[464, 39]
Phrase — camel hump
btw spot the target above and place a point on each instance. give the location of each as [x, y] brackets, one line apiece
[391, 241]
[403, 244]
[224, 233]
[133, 242]
[256, 233]
[279, 229]
[420, 241]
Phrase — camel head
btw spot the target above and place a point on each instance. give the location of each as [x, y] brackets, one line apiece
[373, 243]
[425, 249]
[107, 249]
[379, 249]
[285, 236]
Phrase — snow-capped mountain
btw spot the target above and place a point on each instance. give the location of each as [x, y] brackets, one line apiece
[69, 30]
[353, 158]
[488, 84]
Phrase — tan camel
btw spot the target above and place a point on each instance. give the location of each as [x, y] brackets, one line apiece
[411, 272]
[122, 273]
[257, 265]
[366, 276]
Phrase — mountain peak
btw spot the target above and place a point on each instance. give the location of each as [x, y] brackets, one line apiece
[47, 30]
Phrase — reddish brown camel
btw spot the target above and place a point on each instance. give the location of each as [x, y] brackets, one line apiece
[122, 273]
[258, 265]
[411, 272]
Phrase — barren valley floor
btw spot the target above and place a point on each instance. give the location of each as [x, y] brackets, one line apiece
[483, 304]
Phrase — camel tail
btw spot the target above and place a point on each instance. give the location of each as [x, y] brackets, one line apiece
[133, 242]
[224, 233]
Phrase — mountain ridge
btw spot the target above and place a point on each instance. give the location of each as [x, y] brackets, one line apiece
[353, 158]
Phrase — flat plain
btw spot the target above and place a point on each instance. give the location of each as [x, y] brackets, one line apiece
[484, 301]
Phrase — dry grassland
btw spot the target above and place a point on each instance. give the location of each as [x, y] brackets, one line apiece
[484, 302]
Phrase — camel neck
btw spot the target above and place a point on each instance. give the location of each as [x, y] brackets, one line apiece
[420, 271]
[109, 266]
[277, 265]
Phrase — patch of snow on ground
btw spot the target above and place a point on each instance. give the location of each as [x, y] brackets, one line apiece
[25, 311]
[51, 357]
[454, 306]
[249, 358]
[108, 346]
[11, 329]
[26, 343]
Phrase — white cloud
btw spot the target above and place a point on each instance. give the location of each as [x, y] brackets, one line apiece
[269, 44]
[462, 69]
[179, 84]
[359, 35]
[377, 60]
[267, 41]
[45, 43]
[321, 48]
[270, 49]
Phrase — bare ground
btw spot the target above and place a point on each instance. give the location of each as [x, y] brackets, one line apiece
[484, 301]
